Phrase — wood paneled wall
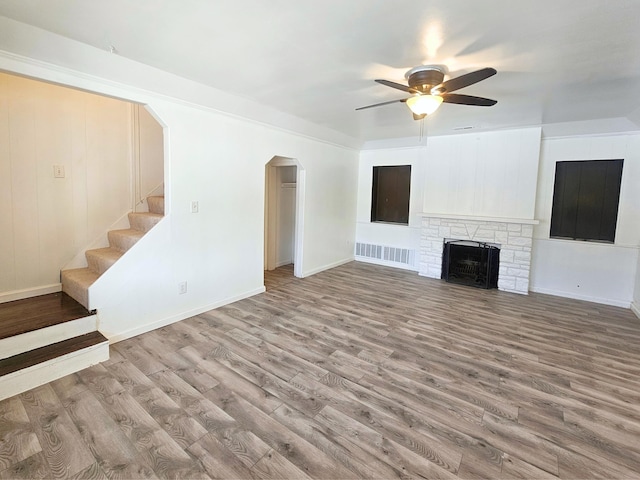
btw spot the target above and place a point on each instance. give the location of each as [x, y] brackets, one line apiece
[45, 221]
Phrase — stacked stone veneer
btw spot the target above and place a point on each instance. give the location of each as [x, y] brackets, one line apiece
[513, 238]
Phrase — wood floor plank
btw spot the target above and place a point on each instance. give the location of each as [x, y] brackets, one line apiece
[33, 467]
[181, 427]
[128, 375]
[218, 460]
[92, 472]
[274, 466]
[138, 356]
[64, 449]
[198, 407]
[107, 442]
[243, 444]
[100, 381]
[18, 440]
[513, 467]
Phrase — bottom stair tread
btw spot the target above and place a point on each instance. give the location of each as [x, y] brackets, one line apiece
[49, 352]
[21, 316]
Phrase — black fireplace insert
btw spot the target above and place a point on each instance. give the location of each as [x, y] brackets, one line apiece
[470, 263]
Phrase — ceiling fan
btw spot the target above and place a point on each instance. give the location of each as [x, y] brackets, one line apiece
[429, 91]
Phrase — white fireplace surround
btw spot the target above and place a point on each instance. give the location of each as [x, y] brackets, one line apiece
[514, 236]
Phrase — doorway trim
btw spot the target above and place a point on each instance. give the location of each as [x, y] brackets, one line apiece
[270, 239]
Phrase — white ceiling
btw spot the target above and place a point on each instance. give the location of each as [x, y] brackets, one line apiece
[557, 60]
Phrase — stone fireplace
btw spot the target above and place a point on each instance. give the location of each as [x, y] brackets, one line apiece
[513, 236]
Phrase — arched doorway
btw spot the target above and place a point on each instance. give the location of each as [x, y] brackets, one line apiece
[284, 212]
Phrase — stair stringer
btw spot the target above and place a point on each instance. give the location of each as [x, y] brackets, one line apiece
[139, 293]
[146, 253]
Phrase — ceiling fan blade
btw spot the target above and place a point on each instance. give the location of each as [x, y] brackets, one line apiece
[419, 117]
[399, 86]
[383, 103]
[468, 100]
[464, 80]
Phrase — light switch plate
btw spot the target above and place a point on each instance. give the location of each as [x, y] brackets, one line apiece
[58, 171]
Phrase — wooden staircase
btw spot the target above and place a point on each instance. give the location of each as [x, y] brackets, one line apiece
[48, 337]
[76, 282]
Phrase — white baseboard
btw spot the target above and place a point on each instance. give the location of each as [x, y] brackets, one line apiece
[36, 375]
[30, 292]
[283, 263]
[587, 298]
[308, 273]
[118, 337]
[635, 308]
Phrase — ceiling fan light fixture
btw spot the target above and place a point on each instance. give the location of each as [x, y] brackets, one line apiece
[424, 104]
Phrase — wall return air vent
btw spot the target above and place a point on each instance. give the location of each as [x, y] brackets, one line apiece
[386, 254]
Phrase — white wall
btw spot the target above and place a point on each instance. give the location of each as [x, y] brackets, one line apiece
[44, 220]
[219, 251]
[398, 236]
[214, 158]
[599, 272]
[484, 174]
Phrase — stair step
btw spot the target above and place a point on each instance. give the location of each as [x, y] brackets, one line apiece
[22, 316]
[101, 259]
[123, 240]
[28, 370]
[36, 338]
[76, 283]
[144, 221]
[156, 204]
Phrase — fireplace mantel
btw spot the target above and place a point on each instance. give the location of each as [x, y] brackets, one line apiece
[449, 216]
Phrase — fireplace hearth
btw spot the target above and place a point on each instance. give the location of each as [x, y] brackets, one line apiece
[472, 263]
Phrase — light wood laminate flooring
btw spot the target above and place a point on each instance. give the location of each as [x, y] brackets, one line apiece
[357, 372]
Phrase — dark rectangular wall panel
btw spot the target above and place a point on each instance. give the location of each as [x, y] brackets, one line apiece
[585, 200]
[390, 194]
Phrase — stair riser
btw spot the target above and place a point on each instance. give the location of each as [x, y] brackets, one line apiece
[98, 263]
[24, 342]
[46, 372]
[121, 242]
[144, 223]
[77, 291]
[156, 204]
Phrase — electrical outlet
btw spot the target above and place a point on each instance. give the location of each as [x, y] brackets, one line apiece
[194, 207]
[58, 171]
[182, 288]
